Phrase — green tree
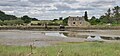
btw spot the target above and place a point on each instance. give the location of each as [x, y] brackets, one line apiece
[34, 19]
[94, 20]
[4, 16]
[13, 22]
[65, 21]
[60, 18]
[1, 22]
[116, 11]
[108, 16]
[116, 14]
[26, 19]
[55, 20]
[8, 22]
[2, 13]
[18, 22]
[86, 16]
[103, 19]
[109, 12]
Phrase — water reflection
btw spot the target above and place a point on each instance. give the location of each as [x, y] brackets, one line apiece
[94, 38]
[110, 38]
[58, 34]
[76, 35]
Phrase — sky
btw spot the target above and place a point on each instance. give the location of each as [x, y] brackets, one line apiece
[53, 9]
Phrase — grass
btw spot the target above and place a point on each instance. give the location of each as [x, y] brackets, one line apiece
[47, 21]
[65, 49]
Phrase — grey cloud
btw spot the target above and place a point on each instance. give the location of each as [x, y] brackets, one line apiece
[102, 3]
[84, 8]
[7, 9]
[64, 7]
[69, 1]
[6, 4]
[10, 0]
[15, 3]
[41, 1]
[52, 1]
[9, 3]
[49, 9]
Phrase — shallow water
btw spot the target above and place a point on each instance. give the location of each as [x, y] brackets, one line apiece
[89, 35]
[47, 38]
[107, 35]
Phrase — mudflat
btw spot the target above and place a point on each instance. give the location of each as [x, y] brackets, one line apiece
[24, 38]
[38, 38]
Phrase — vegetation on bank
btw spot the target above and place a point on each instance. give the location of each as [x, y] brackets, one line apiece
[6, 19]
[64, 49]
[48, 22]
[111, 17]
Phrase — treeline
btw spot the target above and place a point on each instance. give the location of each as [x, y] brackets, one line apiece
[6, 19]
[60, 21]
[111, 17]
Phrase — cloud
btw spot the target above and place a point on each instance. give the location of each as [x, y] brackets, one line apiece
[51, 9]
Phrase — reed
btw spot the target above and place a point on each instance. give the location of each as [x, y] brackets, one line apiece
[65, 49]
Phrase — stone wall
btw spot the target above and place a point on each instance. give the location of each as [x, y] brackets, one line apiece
[77, 22]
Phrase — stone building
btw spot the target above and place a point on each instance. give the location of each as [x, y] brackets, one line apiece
[77, 22]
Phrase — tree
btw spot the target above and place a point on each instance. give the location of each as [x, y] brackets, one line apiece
[1, 22]
[18, 22]
[4, 16]
[108, 16]
[34, 19]
[109, 12]
[10, 17]
[9, 22]
[65, 21]
[94, 20]
[13, 22]
[86, 16]
[103, 19]
[26, 19]
[116, 11]
[55, 19]
[2, 13]
[60, 18]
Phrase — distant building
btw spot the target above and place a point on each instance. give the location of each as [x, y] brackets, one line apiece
[77, 21]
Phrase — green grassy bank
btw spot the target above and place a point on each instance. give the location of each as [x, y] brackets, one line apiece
[64, 49]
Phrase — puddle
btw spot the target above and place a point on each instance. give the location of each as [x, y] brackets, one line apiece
[66, 34]
[55, 34]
